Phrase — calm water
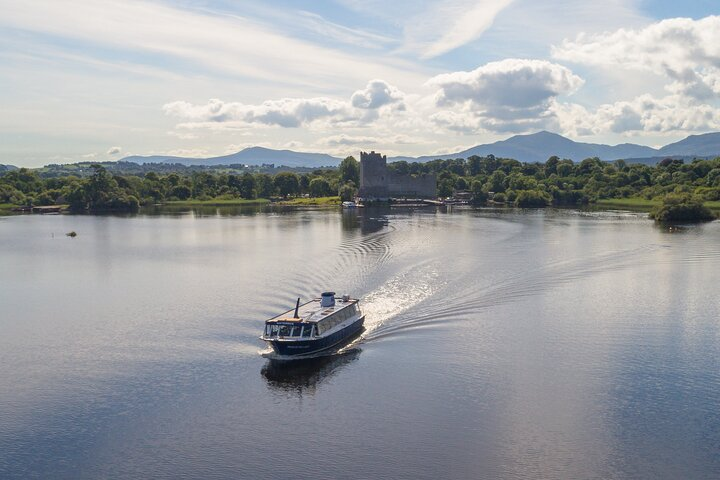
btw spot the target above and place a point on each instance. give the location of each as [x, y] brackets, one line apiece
[555, 344]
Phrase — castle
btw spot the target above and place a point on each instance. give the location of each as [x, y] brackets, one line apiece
[377, 183]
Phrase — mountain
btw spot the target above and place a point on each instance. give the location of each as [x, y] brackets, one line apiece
[7, 168]
[705, 145]
[538, 147]
[248, 156]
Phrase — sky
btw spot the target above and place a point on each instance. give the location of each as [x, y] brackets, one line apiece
[98, 80]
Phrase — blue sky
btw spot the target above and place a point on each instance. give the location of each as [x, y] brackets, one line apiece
[100, 80]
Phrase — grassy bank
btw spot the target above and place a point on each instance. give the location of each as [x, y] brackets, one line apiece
[317, 201]
[632, 203]
[643, 204]
[216, 202]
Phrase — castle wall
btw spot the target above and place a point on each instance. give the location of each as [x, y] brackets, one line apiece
[422, 186]
[377, 182]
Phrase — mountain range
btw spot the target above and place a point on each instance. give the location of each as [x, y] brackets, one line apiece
[248, 156]
[536, 147]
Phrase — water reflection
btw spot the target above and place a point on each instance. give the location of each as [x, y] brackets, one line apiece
[304, 376]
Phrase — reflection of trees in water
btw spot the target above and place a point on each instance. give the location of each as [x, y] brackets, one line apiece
[204, 210]
[368, 219]
[304, 375]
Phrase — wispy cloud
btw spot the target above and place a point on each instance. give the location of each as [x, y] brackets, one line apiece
[232, 45]
[450, 24]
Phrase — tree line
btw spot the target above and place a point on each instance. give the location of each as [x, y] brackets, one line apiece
[102, 190]
[554, 182]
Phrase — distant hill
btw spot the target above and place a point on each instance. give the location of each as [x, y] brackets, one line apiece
[248, 156]
[538, 147]
[705, 145]
[7, 168]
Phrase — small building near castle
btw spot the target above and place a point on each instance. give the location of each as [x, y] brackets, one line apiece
[377, 183]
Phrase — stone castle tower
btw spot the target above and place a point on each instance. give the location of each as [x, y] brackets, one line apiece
[377, 183]
[373, 176]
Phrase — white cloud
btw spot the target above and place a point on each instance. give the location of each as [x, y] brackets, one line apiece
[345, 140]
[114, 150]
[228, 44]
[449, 24]
[365, 106]
[286, 112]
[645, 113]
[684, 50]
[378, 93]
[512, 95]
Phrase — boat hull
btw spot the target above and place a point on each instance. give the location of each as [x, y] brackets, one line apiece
[307, 347]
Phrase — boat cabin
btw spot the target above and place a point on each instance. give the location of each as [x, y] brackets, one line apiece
[311, 319]
[290, 329]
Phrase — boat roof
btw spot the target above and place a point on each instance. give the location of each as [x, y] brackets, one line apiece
[312, 311]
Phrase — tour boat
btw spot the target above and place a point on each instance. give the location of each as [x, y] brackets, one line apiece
[317, 325]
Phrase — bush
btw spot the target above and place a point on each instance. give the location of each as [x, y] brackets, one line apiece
[681, 207]
[499, 197]
[532, 199]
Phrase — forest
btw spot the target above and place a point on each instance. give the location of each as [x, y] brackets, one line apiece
[556, 182]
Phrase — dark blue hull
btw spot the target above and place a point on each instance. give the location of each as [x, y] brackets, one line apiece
[306, 347]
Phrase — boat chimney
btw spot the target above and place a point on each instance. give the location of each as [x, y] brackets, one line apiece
[327, 299]
[297, 309]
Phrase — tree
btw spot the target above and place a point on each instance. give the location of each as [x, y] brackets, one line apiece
[349, 171]
[479, 195]
[347, 192]
[264, 185]
[287, 183]
[319, 187]
[474, 164]
[246, 186]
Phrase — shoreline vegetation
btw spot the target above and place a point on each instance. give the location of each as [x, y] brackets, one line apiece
[670, 191]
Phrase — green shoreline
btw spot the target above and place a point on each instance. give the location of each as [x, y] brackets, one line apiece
[641, 204]
[231, 202]
[239, 202]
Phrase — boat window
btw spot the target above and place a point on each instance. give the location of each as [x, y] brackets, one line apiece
[296, 331]
[306, 330]
[273, 330]
[284, 331]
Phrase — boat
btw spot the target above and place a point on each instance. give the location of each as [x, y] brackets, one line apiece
[349, 205]
[314, 326]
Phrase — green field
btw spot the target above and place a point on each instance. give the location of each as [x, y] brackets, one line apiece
[643, 204]
[218, 202]
[317, 201]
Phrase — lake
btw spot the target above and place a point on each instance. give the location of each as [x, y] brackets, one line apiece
[498, 344]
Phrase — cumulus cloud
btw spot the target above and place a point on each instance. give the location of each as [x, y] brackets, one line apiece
[687, 51]
[286, 112]
[114, 150]
[364, 107]
[378, 93]
[351, 140]
[348, 140]
[642, 114]
[511, 95]
[515, 83]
